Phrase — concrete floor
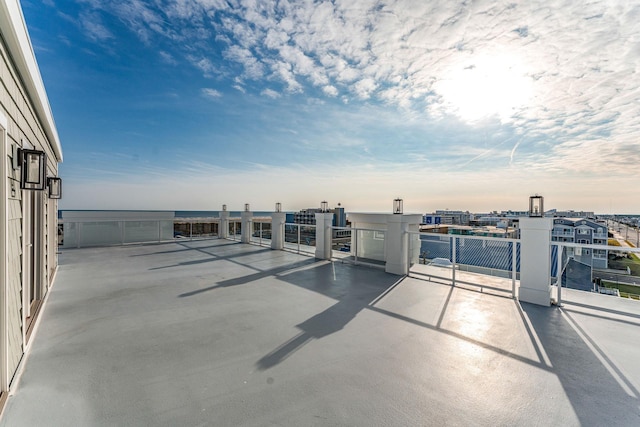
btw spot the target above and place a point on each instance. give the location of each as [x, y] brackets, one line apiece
[220, 333]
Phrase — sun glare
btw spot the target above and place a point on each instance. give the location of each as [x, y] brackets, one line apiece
[485, 87]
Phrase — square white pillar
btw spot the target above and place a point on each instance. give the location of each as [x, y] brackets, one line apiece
[535, 260]
[277, 230]
[223, 226]
[397, 257]
[324, 221]
[247, 226]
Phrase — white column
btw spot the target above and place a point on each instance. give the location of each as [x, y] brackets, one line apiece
[277, 230]
[397, 258]
[247, 226]
[535, 260]
[324, 221]
[223, 227]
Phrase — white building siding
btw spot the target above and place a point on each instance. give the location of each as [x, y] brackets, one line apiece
[14, 286]
[27, 120]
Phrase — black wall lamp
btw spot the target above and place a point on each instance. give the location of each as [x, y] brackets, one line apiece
[55, 187]
[33, 164]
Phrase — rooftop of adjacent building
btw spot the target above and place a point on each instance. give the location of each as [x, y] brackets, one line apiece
[224, 333]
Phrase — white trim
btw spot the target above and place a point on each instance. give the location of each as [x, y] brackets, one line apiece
[14, 32]
[4, 355]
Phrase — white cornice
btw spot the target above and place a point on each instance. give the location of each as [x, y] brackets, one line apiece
[14, 31]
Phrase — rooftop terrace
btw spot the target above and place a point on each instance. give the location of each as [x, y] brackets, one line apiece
[215, 332]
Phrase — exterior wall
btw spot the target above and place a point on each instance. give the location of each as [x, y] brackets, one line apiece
[28, 251]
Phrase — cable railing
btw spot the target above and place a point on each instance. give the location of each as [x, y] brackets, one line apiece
[467, 260]
[604, 269]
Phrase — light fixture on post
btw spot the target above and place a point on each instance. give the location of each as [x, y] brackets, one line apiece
[224, 208]
[536, 206]
[33, 164]
[278, 207]
[55, 187]
[324, 206]
[246, 207]
[398, 206]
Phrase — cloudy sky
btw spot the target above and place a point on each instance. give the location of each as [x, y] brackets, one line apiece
[471, 105]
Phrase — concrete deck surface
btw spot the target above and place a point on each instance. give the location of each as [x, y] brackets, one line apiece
[220, 333]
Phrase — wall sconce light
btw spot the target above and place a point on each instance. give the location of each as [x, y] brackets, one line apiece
[55, 187]
[33, 164]
[398, 206]
[246, 207]
[224, 208]
[278, 207]
[536, 206]
[324, 206]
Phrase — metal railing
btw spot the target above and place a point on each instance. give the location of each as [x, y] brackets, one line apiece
[361, 246]
[595, 268]
[80, 234]
[466, 260]
[300, 238]
[261, 232]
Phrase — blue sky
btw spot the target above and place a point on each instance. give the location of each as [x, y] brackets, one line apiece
[190, 104]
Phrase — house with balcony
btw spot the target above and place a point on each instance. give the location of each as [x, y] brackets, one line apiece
[29, 188]
[585, 232]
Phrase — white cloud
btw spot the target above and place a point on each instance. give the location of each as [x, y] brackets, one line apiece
[167, 58]
[330, 90]
[211, 93]
[270, 93]
[566, 75]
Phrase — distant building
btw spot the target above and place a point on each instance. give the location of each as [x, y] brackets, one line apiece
[573, 214]
[431, 219]
[308, 216]
[454, 217]
[582, 231]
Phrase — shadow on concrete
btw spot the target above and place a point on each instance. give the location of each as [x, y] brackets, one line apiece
[186, 248]
[353, 287]
[214, 257]
[578, 364]
[251, 277]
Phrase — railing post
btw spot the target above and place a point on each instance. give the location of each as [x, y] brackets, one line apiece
[299, 238]
[324, 221]
[453, 260]
[514, 266]
[223, 225]
[397, 258]
[355, 253]
[535, 260]
[190, 229]
[246, 228]
[277, 230]
[559, 274]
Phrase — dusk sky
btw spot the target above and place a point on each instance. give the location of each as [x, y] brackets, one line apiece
[465, 105]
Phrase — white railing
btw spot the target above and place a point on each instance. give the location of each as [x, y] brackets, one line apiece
[261, 232]
[300, 238]
[79, 234]
[468, 260]
[596, 268]
[194, 228]
[362, 246]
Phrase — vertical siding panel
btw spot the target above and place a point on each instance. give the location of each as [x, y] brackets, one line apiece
[14, 285]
